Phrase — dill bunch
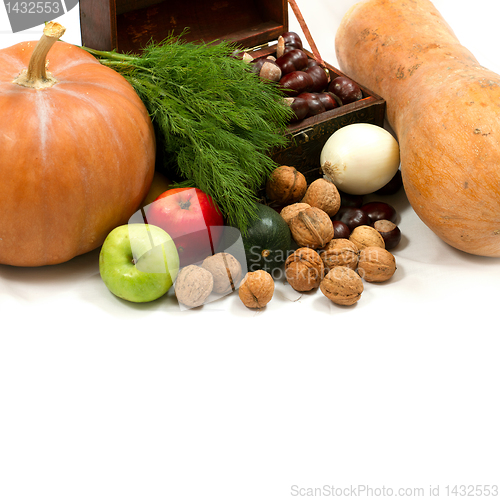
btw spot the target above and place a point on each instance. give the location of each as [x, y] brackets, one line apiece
[217, 121]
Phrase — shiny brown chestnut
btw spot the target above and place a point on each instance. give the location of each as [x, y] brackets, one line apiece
[347, 90]
[294, 60]
[319, 76]
[389, 232]
[393, 186]
[340, 229]
[351, 200]
[314, 103]
[299, 106]
[266, 68]
[378, 210]
[292, 39]
[352, 217]
[295, 83]
[328, 101]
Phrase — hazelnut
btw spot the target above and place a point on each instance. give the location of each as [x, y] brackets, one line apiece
[323, 194]
[304, 269]
[311, 228]
[193, 285]
[226, 271]
[376, 264]
[339, 252]
[256, 289]
[290, 211]
[342, 286]
[366, 236]
[286, 185]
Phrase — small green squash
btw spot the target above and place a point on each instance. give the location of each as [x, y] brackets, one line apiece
[267, 241]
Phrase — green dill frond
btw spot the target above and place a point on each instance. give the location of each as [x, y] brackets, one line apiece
[217, 121]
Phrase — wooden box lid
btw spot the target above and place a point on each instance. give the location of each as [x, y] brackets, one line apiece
[128, 25]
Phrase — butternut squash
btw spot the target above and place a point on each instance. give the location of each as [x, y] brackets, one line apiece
[444, 108]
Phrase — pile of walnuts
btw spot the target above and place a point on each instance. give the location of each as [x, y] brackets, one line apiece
[335, 265]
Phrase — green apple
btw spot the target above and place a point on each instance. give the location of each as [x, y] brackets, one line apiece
[138, 262]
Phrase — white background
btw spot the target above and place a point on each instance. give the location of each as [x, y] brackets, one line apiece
[102, 399]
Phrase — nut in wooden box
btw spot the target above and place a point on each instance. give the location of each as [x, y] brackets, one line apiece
[129, 25]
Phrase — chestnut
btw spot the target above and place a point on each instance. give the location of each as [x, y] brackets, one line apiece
[393, 186]
[378, 210]
[299, 106]
[328, 101]
[314, 102]
[340, 229]
[351, 200]
[352, 217]
[389, 232]
[319, 76]
[344, 88]
[296, 82]
[295, 60]
[266, 68]
[292, 39]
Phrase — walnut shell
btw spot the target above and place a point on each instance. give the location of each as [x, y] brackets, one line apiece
[311, 228]
[304, 269]
[376, 264]
[323, 194]
[339, 252]
[256, 289]
[366, 236]
[193, 285]
[286, 185]
[342, 286]
[290, 211]
[226, 271]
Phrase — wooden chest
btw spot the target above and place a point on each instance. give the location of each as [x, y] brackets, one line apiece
[128, 25]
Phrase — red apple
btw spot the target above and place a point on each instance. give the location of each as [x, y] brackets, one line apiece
[190, 217]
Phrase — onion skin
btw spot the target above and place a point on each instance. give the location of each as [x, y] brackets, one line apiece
[360, 158]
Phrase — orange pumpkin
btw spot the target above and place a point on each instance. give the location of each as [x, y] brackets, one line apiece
[77, 151]
[443, 106]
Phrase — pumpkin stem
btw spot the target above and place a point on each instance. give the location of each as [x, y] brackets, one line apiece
[36, 75]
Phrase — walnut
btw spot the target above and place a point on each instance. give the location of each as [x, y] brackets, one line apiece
[366, 236]
[193, 285]
[311, 228]
[304, 269]
[286, 185]
[339, 252]
[342, 286]
[290, 211]
[256, 289]
[323, 194]
[226, 271]
[376, 264]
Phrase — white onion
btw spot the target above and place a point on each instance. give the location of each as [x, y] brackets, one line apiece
[360, 158]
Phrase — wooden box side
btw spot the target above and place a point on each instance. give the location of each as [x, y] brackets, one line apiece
[128, 25]
[98, 24]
